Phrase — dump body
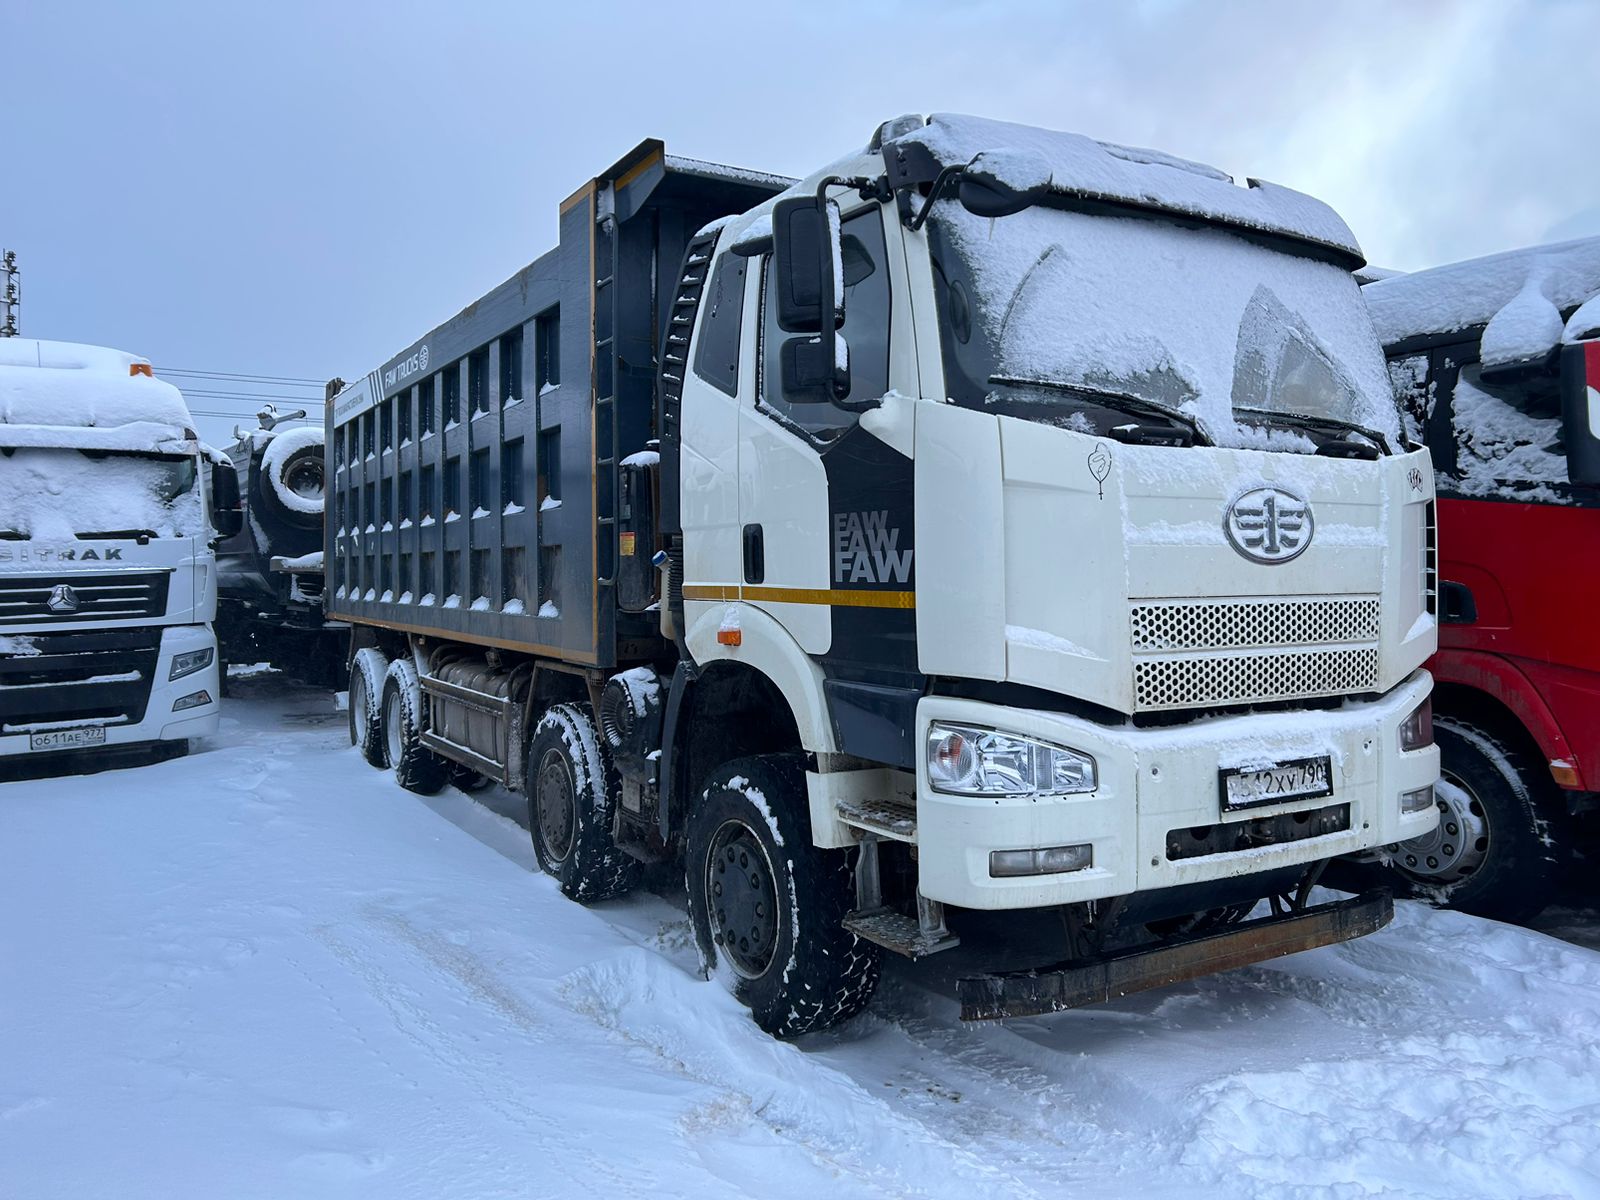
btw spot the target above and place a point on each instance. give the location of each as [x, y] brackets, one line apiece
[475, 475]
[107, 579]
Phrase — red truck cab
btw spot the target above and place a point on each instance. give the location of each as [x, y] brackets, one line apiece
[1496, 363]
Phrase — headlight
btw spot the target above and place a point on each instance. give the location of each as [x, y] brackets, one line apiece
[189, 662]
[967, 761]
[1416, 731]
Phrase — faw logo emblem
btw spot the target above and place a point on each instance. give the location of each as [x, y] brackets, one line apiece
[62, 599]
[1269, 525]
[867, 550]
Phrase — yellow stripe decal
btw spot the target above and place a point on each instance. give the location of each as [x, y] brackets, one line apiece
[841, 597]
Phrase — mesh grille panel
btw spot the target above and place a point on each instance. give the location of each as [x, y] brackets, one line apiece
[1206, 680]
[1177, 625]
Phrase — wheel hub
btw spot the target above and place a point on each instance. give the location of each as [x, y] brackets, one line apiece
[742, 899]
[1458, 846]
[555, 806]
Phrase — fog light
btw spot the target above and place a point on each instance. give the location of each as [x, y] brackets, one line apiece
[1417, 800]
[1052, 860]
[192, 700]
[189, 662]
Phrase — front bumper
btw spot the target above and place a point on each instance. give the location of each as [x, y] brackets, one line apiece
[1153, 782]
[159, 721]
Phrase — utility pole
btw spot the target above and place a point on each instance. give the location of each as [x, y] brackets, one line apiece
[11, 297]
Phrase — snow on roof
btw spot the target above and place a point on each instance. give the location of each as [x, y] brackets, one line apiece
[1091, 170]
[66, 394]
[696, 166]
[1527, 283]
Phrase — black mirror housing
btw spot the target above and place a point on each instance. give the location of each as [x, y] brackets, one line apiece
[799, 250]
[1002, 182]
[813, 372]
[1580, 411]
[227, 513]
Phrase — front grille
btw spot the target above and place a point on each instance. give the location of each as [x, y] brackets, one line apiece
[1247, 624]
[1195, 681]
[1219, 651]
[91, 676]
[97, 597]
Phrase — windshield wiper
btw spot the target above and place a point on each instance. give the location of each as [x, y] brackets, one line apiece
[1125, 401]
[1319, 422]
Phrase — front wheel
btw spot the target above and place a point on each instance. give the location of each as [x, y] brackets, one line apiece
[768, 906]
[1498, 849]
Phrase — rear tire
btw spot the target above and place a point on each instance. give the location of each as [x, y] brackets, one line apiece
[572, 794]
[1503, 830]
[767, 905]
[416, 768]
[367, 670]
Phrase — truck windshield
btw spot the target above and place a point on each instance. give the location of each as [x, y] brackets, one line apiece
[62, 494]
[1090, 321]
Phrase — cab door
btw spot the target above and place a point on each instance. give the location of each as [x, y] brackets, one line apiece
[827, 535]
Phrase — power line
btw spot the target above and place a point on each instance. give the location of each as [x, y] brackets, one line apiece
[270, 380]
[210, 394]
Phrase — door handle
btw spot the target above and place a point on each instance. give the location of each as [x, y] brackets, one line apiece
[755, 554]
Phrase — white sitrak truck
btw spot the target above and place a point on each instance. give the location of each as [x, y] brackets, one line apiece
[1031, 529]
[107, 577]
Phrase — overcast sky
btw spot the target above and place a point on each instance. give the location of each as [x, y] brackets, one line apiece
[301, 189]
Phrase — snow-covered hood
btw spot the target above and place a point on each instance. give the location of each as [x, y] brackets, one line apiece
[71, 396]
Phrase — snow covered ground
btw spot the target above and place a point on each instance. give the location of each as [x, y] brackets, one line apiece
[266, 971]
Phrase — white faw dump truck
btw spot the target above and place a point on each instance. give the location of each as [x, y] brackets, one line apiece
[994, 520]
[107, 578]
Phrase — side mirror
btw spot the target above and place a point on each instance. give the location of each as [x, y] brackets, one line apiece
[998, 183]
[1580, 411]
[813, 373]
[805, 263]
[808, 273]
[227, 515]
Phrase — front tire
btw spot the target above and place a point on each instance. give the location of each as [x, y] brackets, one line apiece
[1499, 847]
[767, 905]
[572, 793]
[367, 670]
[416, 768]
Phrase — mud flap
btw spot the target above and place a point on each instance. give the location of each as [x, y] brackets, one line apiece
[1092, 981]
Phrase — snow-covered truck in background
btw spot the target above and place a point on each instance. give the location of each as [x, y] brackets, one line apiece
[1497, 364]
[270, 572]
[995, 520]
[107, 576]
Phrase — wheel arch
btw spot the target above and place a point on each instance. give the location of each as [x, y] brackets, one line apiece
[1489, 691]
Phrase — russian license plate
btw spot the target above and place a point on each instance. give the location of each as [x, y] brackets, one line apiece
[68, 739]
[1299, 779]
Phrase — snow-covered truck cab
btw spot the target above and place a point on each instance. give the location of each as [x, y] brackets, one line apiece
[1090, 558]
[1034, 532]
[107, 580]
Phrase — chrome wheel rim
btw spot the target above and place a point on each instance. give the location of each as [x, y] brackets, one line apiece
[555, 806]
[1458, 847]
[742, 899]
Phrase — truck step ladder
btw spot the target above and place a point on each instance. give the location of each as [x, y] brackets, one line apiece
[892, 816]
[876, 922]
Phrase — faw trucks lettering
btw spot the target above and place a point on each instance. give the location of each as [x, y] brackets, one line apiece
[44, 554]
[406, 367]
[866, 549]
